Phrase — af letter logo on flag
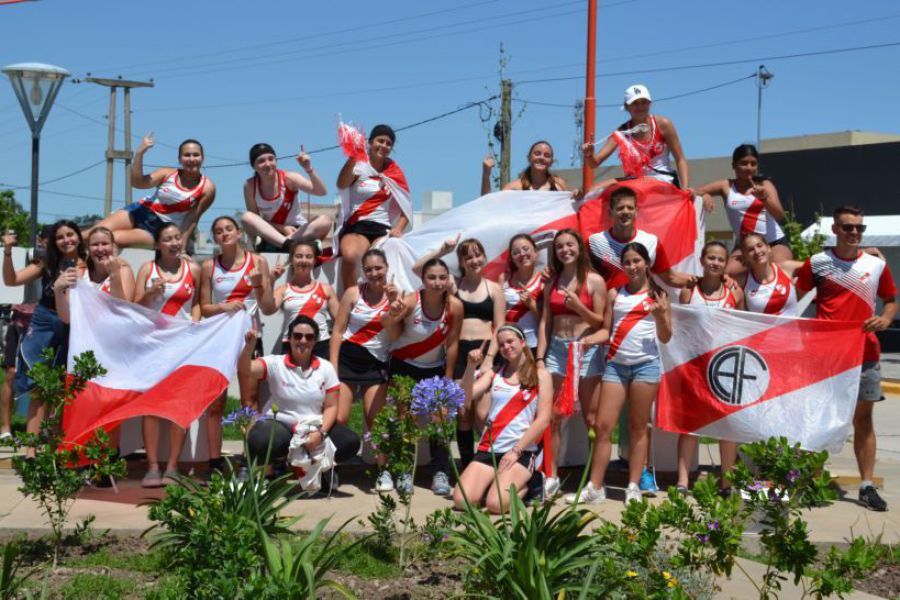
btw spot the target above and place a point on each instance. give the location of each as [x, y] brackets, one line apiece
[738, 375]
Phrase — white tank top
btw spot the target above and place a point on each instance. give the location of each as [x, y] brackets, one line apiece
[606, 253]
[512, 412]
[171, 202]
[778, 297]
[518, 313]
[178, 295]
[283, 208]
[725, 300]
[748, 214]
[364, 326]
[104, 286]
[633, 337]
[422, 342]
[369, 201]
[655, 154]
[310, 301]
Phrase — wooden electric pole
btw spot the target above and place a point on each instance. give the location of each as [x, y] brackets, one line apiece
[111, 153]
[505, 129]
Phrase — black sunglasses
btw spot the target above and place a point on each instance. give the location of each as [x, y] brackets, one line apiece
[309, 337]
[849, 228]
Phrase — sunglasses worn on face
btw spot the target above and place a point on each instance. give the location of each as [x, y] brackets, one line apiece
[849, 228]
[309, 337]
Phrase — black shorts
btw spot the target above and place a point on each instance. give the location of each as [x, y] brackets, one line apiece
[399, 367]
[462, 357]
[368, 229]
[11, 346]
[322, 349]
[490, 459]
[357, 366]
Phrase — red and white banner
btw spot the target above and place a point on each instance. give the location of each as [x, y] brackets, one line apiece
[156, 364]
[746, 377]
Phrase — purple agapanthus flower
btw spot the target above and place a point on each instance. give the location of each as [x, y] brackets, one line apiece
[437, 396]
[793, 475]
[713, 525]
[240, 417]
[702, 538]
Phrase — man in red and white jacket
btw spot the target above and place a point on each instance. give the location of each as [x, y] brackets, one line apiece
[848, 283]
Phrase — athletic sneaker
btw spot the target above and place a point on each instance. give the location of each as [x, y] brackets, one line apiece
[440, 484]
[632, 493]
[648, 483]
[551, 486]
[589, 495]
[868, 497]
[384, 483]
[405, 483]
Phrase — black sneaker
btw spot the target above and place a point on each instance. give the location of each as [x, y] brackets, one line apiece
[868, 497]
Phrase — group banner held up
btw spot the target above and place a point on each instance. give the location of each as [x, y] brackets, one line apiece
[745, 377]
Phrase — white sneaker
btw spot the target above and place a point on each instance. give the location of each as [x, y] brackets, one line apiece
[551, 486]
[384, 483]
[632, 493]
[589, 495]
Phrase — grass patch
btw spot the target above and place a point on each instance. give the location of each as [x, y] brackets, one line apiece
[141, 562]
[86, 586]
[363, 562]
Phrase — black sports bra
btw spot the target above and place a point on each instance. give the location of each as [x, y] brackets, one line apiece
[483, 310]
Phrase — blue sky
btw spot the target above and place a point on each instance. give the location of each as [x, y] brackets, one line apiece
[234, 73]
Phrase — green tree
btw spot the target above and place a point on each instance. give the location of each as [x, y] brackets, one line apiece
[802, 248]
[13, 216]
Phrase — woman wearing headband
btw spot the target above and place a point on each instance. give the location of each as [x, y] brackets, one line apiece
[274, 210]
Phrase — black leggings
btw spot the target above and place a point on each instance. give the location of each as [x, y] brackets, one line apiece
[345, 441]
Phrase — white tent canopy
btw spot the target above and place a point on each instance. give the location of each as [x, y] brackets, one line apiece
[881, 230]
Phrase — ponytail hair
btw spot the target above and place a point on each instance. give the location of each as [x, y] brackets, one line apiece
[525, 176]
[157, 235]
[642, 251]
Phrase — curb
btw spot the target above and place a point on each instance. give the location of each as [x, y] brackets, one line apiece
[890, 386]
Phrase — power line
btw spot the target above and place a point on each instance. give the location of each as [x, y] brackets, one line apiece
[60, 178]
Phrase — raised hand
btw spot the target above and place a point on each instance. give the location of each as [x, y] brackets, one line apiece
[527, 299]
[279, 268]
[9, 239]
[572, 300]
[66, 279]
[660, 304]
[304, 159]
[449, 245]
[157, 286]
[146, 142]
[251, 336]
[255, 277]
[391, 290]
[476, 356]
[488, 163]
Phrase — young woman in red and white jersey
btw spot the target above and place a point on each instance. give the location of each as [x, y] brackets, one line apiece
[515, 405]
[373, 211]
[304, 295]
[168, 284]
[424, 330]
[606, 246]
[523, 287]
[536, 176]
[181, 196]
[752, 205]
[638, 315]
[231, 281]
[574, 298]
[651, 142]
[710, 290]
[274, 210]
[768, 286]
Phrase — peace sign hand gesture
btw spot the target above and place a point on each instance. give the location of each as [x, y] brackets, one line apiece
[660, 304]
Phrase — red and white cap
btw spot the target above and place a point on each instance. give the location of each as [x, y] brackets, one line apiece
[636, 92]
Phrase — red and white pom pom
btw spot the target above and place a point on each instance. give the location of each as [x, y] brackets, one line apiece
[353, 142]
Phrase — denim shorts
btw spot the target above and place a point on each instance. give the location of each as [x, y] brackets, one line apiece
[870, 382]
[558, 355]
[646, 372]
[143, 218]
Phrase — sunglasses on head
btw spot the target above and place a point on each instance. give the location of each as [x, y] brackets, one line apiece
[309, 337]
[849, 228]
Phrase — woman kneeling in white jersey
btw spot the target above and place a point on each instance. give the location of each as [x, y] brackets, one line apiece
[514, 405]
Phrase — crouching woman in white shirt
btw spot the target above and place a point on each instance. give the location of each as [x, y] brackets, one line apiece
[304, 388]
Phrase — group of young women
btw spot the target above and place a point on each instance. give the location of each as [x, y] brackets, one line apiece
[511, 343]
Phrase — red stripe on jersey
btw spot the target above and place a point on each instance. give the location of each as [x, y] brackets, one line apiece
[177, 207]
[430, 343]
[370, 205]
[184, 294]
[781, 291]
[243, 288]
[369, 330]
[315, 302]
[514, 406]
[634, 316]
[519, 310]
[287, 201]
[751, 217]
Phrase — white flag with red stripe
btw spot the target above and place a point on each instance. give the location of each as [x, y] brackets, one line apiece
[155, 364]
[745, 377]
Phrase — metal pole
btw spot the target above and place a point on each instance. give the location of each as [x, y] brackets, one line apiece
[111, 143]
[128, 146]
[590, 106]
[35, 162]
[506, 128]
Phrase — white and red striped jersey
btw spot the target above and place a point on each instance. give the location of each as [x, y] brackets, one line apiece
[178, 295]
[422, 342]
[512, 412]
[297, 393]
[778, 297]
[283, 208]
[104, 286]
[370, 200]
[310, 301]
[517, 312]
[235, 285]
[171, 202]
[846, 290]
[748, 214]
[633, 337]
[606, 255]
[724, 300]
[364, 326]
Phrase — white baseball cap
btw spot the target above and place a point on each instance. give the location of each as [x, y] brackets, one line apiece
[636, 92]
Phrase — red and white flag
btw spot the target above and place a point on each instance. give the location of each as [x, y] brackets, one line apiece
[746, 377]
[155, 364]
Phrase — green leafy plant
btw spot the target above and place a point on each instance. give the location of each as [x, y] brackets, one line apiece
[802, 248]
[12, 576]
[384, 528]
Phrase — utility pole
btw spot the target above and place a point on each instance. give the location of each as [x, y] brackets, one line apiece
[762, 81]
[111, 153]
[590, 107]
[503, 130]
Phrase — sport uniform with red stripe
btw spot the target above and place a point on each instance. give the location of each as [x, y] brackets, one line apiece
[283, 208]
[297, 393]
[178, 295]
[748, 214]
[725, 300]
[846, 290]
[633, 337]
[235, 285]
[369, 201]
[778, 297]
[104, 286]
[606, 252]
[422, 342]
[364, 326]
[656, 158]
[310, 301]
[517, 312]
[512, 412]
[171, 202]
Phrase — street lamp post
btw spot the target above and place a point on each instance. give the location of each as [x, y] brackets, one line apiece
[36, 86]
[762, 82]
